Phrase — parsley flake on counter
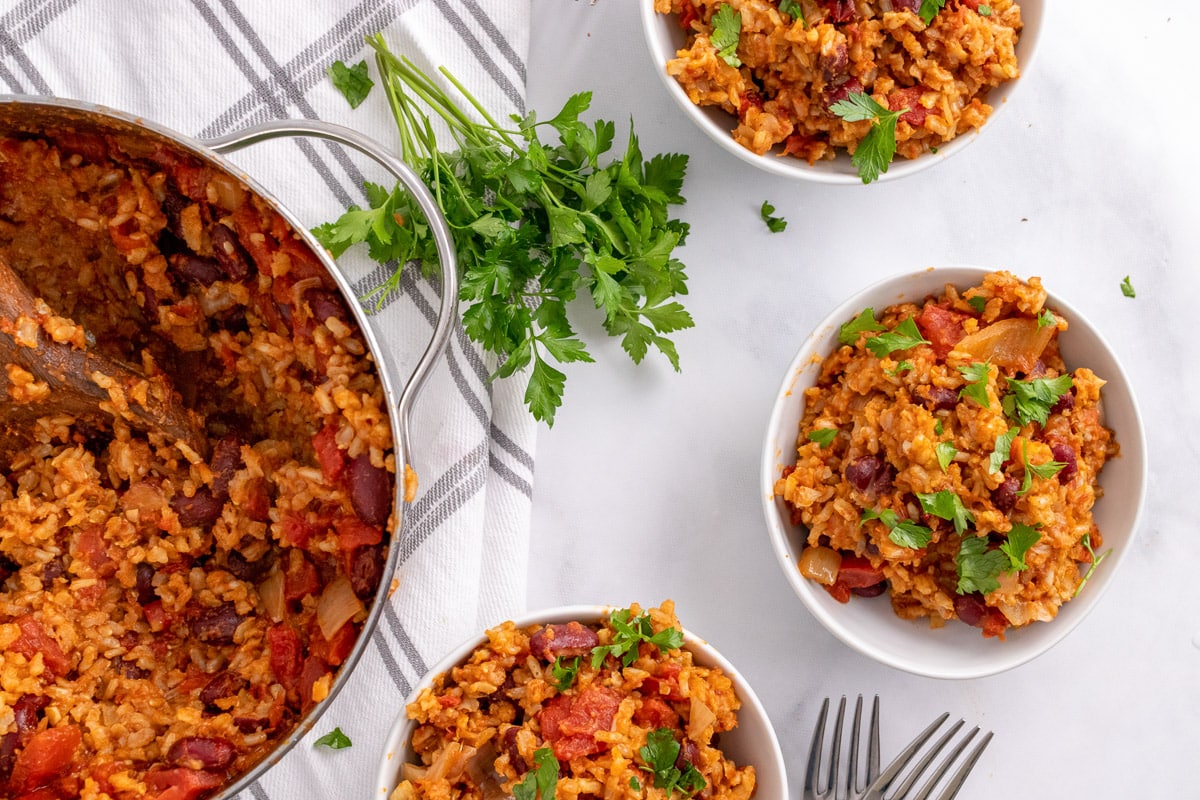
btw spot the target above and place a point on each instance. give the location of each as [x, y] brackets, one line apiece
[946, 452]
[564, 672]
[629, 633]
[978, 302]
[727, 29]
[334, 740]
[1127, 288]
[792, 9]
[1031, 401]
[978, 567]
[774, 224]
[865, 321]
[1086, 541]
[903, 532]
[976, 376]
[1020, 539]
[948, 506]
[874, 153]
[930, 9]
[541, 781]
[1002, 451]
[353, 82]
[823, 436]
[905, 336]
[660, 753]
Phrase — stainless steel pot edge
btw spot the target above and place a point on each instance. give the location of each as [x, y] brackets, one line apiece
[447, 313]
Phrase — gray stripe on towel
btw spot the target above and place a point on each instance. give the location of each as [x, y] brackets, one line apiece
[481, 54]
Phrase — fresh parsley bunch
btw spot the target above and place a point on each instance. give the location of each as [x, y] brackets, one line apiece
[535, 224]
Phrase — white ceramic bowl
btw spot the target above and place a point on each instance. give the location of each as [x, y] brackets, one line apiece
[751, 742]
[955, 650]
[664, 38]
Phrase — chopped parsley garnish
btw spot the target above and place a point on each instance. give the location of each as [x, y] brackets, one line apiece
[1046, 319]
[1020, 539]
[727, 29]
[1003, 450]
[629, 633]
[865, 321]
[353, 82]
[903, 366]
[978, 302]
[976, 376]
[874, 153]
[948, 506]
[334, 740]
[984, 11]
[938, 428]
[635, 784]
[1086, 541]
[792, 9]
[1031, 401]
[1127, 289]
[564, 672]
[946, 452]
[905, 336]
[823, 436]
[542, 780]
[903, 532]
[930, 9]
[1043, 471]
[660, 753]
[774, 224]
[978, 567]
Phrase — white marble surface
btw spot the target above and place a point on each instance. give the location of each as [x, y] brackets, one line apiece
[646, 487]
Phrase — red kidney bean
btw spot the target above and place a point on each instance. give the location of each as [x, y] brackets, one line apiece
[145, 588]
[27, 711]
[1066, 454]
[1066, 402]
[869, 591]
[939, 398]
[970, 608]
[202, 752]
[326, 304]
[197, 269]
[200, 510]
[569, 640]
[216, 625]
[370, 491]
[689, 755]
[1004, 496]
[53, 569]
[223, 684]
[861, 472]
[366, 569]
[509, 740]
[9, 743]
[226, 459]
[131, 670]
[245, 570]
[231, 256]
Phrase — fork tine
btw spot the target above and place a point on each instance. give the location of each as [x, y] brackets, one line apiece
[960, 775]
[885, 778]
[919, 768]
[835, 763]
[872, 749]
[940, 769]
[811, 774]
[855, 735]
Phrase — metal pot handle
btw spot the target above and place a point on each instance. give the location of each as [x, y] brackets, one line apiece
[447, 313]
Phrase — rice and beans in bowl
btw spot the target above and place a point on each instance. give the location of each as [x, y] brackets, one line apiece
[614, 708]
[781, 66]
[948, 458]
[168, 615]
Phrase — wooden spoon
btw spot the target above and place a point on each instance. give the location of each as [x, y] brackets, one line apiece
[70, 380]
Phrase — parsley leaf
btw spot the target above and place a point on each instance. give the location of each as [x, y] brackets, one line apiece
[1002, 451]
[976, 376]
[1020, 539]
[774, 224]
[541, 781]
[792, 9]
[946, 452]
[978, 302]
[1031, 401]
[930, 9]
[874, 153]
[634, 783]
[978, 567]
[903, 532]
[628, 633]
[1086, 541]
[1046, 319]
[334, 740]
[660, 753]
[905, 336]
[727, 28]
[948, 506]
[1127, 288]
[984, 11]
[823, 436]
[353, 82]
[938, 428]
[865, 321]
[564, 672]
[1043, 471]
[903, 366]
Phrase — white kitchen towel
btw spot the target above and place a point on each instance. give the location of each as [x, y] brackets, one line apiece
[209, 67]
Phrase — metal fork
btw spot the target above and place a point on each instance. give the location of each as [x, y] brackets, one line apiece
[833, 777]
[949, 790]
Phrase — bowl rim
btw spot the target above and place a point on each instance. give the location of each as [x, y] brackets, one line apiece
[396, 742]
[705, 118]
[814, 349]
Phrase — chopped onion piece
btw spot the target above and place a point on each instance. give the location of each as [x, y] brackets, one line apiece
[270, 591]
[1015, 343]
[701, 717]
[337, 606]
[820, 564]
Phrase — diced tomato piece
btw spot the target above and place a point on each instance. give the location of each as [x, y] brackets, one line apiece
[656, 713]
[331, 457]
[295, 531]
[313, 670]
[353, 532]
[333, 651]
[156, 616]
[909, 98]
[664, 684]
[258, 500]
[994, 623]
[570, 722]
[34, 639]
[301, 577]
[942, 327]
[90, 547]
[687, 14]
[286, 653]
[856, 572]
[47, 756]
[181, 783]
[838, 591]
[46, 793]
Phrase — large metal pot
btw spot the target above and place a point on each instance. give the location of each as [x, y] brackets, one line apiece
[39, 115]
